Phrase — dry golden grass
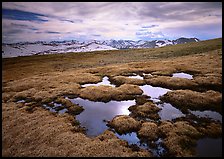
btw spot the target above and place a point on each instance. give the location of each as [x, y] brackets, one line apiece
[149, 131]
[44, 78]
[124, 124]
[147, 110]
[180, 138]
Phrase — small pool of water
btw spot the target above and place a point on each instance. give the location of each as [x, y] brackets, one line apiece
[169, 112]
[182, 75]
[21, 101]
[55, 108]
[209, 147]
[147, 74]
[208, 114]
[154, 92]
[105, 81]
[136, 76]
[132, 138]
[95, 113]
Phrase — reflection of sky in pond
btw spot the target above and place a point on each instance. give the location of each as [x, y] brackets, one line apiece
[154, 92]
[148, 74]
[136, 76]
[208, 114]
[105, 81]
[95, 112]
[169, 112]
[52, 109]
[183, 75]
[21, 101]
[132, 138]
[209, 147]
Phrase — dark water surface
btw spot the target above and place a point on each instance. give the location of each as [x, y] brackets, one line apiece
[95, 112]
[209, 147]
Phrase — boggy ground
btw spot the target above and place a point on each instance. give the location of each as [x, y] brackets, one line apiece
[30, 130]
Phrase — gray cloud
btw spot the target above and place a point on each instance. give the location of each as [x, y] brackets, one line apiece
[110, 20]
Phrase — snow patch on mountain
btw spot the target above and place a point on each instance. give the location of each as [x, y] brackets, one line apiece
[53, 47]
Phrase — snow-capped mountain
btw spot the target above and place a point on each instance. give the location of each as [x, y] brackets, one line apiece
[40, 47]
[127, 44]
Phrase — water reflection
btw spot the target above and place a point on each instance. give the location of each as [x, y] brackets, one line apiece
[208, 114]
[132, 138]
[95, 112]
[136, 76]
[183, 75]
[55, 108]
[209, 147]
[169, 112]
[154, 92]
[105, 81]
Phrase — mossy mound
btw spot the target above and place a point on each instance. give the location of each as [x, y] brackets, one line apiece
[171, 82]
[119, 80]
[149, 131]
[147, 110]
[179, 138]
[124, 124]
[107, 93]
[188, 99]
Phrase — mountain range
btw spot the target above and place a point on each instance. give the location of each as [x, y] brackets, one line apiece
[40, 47]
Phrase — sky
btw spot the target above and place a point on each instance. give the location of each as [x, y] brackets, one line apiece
[47, 21]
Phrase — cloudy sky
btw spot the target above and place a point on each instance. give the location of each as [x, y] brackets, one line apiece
[46, 21]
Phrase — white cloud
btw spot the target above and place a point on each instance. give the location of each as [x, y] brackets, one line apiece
[110, 20]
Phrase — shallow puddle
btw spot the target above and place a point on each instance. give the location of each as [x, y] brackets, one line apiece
[136, 76]
[56, 108]
[132, 138]
[154, 92]
[96, 112]
[147, 74]
[182, 75]
[209, 147]
[208, 114]
[105, 81]
[21, 101]
[169, 112]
